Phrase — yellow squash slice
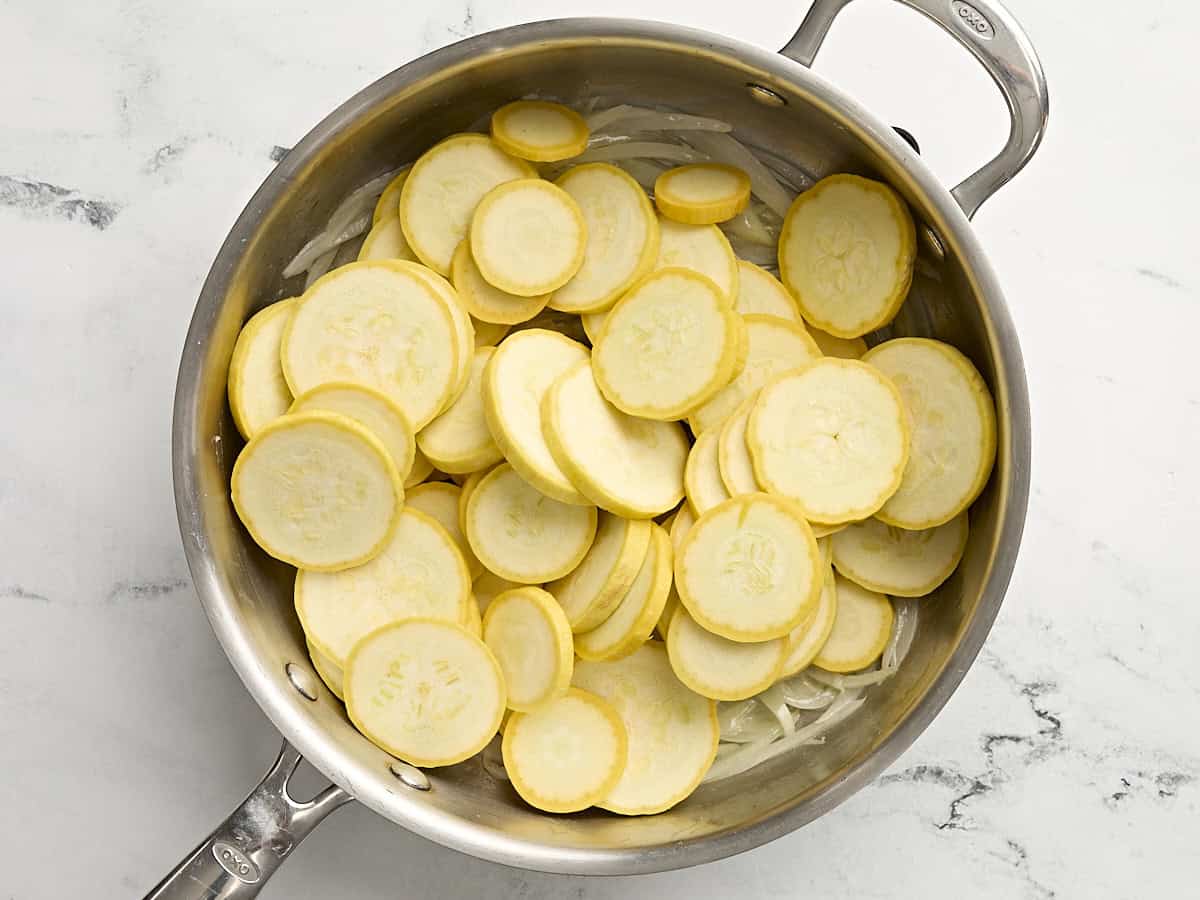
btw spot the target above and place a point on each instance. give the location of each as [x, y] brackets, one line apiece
[529, 635]
[667, 346]
[422, 468]
[427, 692]
[593, 324]
[474, 619]
[953, 430]
[833, 437]
[775, 346]
[420, 573]
[388, 204]
[528, 237]
[861, 628]
[370, 409]
[327, 669]
[749, 569]
[468, 486]
[386, 240]
[521, 534]
[897, 562]
[672, 730]
[806, 639]
[488, 586]
[514, 383]
[717, 667]
[633, 620]
[733, 456]
[761, 293]
[681, 524]
[318, 491]
[702, 193]
[703, 249]
[459, 441]
[439, 500]
[622, 237]
[258, 392]
[629, 466]
[483, 300]
[846, 253]
[444, 187]
[702, 477]
[669, 609]
[377, 324]
[593, 589]
[463, 328]
[539, 131]
[567, 754]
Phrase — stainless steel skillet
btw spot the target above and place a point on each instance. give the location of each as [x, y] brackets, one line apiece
[779, 105]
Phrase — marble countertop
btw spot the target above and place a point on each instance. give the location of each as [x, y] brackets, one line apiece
[1066, 765]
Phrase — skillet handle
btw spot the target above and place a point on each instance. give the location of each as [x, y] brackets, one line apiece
[994, 38]
[235, 861]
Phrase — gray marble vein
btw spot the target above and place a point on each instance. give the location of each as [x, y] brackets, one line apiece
[39, 198]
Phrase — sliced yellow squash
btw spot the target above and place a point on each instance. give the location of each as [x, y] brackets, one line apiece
[672, 730]
[258, 392]
[539, 131]
[528, 237]
[622, 237]
[521, 534]
[897, 562]
[592, 590]
[629, 466]
[567, 754]
[427, 692]
[749, 569]
[953, 423]
[443, 188]
[846, 253]
[318, 491]
[529, 635]
[667, 347]
[860, 631]
[420, 573]
[832, 436]
[702, 193]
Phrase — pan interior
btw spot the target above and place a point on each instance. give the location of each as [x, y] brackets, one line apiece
[249, 596]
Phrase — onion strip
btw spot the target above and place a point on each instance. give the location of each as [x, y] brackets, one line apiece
[750, 755]
[639, 118]
[619, 150]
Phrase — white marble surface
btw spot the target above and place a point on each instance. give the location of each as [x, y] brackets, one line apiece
[1068, 763]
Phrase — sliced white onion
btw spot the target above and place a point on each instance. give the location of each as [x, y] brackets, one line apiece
[845, 682]
[493, 761]
[772, 698]
[640, 149]
[351, 218]
[725, 148]
[637, 118]
[746, 721]
[751, 252]
[644, 171]
[801, 692]
[904, 629]
[748, 225]
[748, 756]
[319, 267]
